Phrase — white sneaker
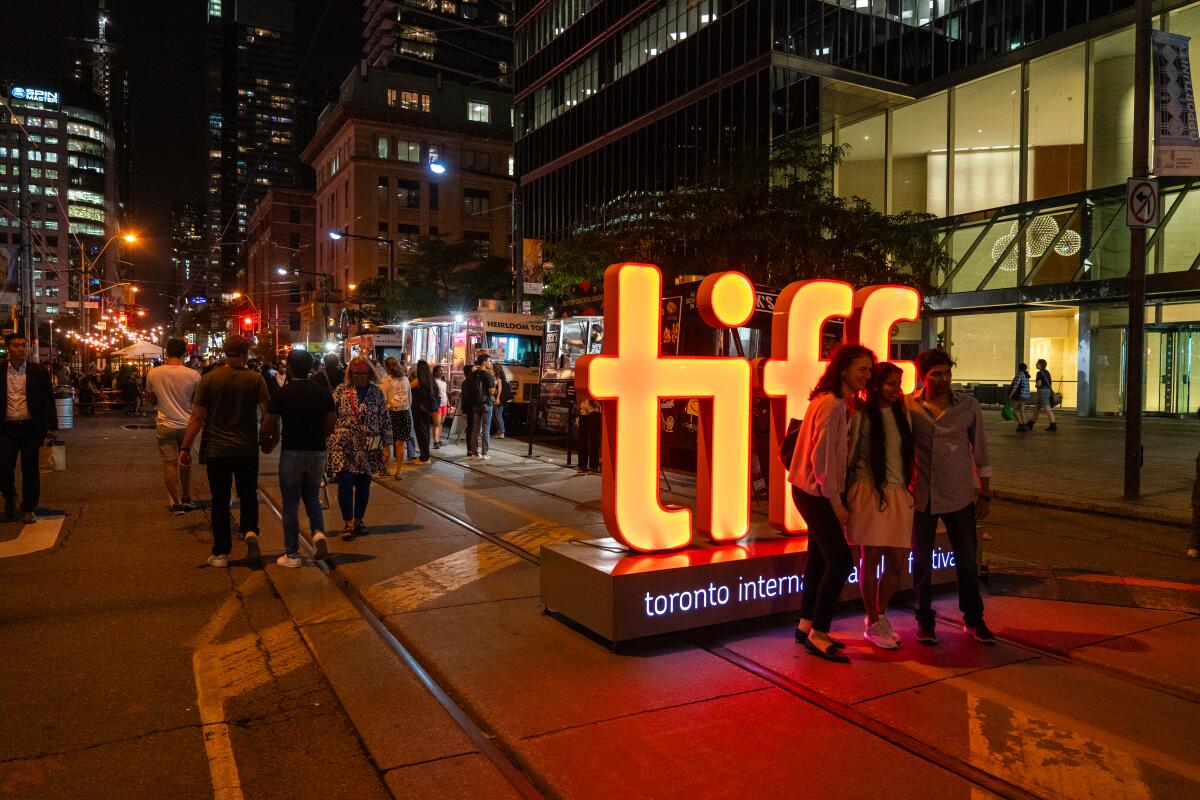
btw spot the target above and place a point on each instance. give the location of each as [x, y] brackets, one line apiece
[320, 546]
[218, 561]
[485, 457]
[876, 635]
[289, 561]
[889, 630]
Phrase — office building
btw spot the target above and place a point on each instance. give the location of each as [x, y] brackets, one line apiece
[251, 121]
[403, 157]
[1009, 122]
[188, 252]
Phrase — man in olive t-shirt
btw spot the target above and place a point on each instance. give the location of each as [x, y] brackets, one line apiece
[227, 403]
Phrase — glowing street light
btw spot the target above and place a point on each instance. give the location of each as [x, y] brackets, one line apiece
[437, 167]
[335, 235]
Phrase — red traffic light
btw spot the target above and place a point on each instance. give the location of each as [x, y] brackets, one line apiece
[247, 322]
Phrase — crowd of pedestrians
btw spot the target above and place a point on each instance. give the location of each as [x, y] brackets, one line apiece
[876, 471]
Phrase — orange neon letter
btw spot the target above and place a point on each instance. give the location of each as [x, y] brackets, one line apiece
[876, 310]
[628, 379]
[792, 371]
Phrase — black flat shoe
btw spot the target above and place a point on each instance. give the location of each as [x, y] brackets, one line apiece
[802, 638]
[832, 654]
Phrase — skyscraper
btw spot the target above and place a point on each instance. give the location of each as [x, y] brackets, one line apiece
[251, 120]
[462, 41]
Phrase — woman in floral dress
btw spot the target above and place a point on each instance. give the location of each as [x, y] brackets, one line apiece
[356, 446]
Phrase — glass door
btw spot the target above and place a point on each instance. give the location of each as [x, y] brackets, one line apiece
[1157, 372]
[1187, 368]
[1172, 360]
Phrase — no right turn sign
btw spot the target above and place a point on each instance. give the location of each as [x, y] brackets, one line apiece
[1141, 203]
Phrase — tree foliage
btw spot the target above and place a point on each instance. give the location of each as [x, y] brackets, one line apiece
[435, 278]
[776, 218]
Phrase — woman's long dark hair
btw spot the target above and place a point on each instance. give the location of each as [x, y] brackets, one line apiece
[425, 385]
[839, 362]
[877, 440]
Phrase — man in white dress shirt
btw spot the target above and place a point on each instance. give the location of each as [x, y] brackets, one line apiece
[29, 416]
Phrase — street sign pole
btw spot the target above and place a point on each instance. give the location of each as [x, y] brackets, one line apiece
[1136, 342]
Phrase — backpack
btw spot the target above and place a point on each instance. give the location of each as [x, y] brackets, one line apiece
[480, 395]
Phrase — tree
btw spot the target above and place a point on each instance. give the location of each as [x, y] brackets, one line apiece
[775, 218]
[436, 278]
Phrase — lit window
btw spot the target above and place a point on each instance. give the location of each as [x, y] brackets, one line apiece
[381, 146]
[408, 151]
[510, 165]
[478, 111]
[414, 101]
[391, 97]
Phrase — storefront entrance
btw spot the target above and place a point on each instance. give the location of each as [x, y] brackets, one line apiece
[1172, 361]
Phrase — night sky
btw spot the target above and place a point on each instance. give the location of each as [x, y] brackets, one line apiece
[164, 43]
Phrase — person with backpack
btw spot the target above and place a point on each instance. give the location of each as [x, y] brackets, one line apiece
[482, 393]
[503, 396]
[1045, 397]
[1018, 395]
[818, 476]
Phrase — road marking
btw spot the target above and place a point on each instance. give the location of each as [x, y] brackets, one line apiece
[1056, 724]
[233, 668]
[425, 584]
[1035, 753]
[41, 535]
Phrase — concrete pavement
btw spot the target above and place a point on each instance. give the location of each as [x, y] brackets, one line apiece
[141, 672]
[131, 669]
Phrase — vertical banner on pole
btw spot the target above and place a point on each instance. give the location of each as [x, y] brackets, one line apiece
[1176, 137]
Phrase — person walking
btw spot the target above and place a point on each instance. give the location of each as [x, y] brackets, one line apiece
[483, 394]
[441, 404]
[950, 449]
[398, 396]
[588, 425]
[226, 408]
[331, 374]
[466, 406]
[307, 413]
[1018, 395]
[818, 477]
[879, 500]
[30, 418]
[361, 432]
[171, 387]
[503, 396]
[422, 408]
[1045, 397]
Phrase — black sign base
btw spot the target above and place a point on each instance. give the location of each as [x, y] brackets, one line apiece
[620, 595]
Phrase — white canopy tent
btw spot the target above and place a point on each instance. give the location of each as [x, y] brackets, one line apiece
[140, 350]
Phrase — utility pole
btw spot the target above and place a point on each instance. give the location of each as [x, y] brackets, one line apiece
[27, 305]
[518, 246]
[1135, 349]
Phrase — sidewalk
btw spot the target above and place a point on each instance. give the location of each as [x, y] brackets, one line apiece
[1082, 466]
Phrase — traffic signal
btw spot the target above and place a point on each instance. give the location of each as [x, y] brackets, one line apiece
[248, 322]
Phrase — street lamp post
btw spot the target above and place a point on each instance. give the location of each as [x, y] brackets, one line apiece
[324, 295]
[85, 286]
[391, 243]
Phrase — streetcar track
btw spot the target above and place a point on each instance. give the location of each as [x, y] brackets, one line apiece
[486, 743]
[853, 716]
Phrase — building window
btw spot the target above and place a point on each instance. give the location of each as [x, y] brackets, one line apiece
[478, 111]
[408, 151]
[294, 316]
[381, 146]
[408, 193]
[294, 238]
[476, 201]
[433, 197]
[335, 163]
[391, 97]
[510, 166]
[383, 191]
[414, 101]
[294, 217]
[382, 229]
[482, 242]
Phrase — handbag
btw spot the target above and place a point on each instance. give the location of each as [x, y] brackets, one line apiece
[54, 457]
[1055, 399]
[1007, 413]
[787, 448]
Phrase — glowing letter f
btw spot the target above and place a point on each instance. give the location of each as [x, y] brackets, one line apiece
[630, 376]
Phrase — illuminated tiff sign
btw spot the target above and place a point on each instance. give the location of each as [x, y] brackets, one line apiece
[630, 376]
[34, 95]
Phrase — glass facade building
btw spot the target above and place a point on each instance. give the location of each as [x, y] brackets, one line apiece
[1009, 121]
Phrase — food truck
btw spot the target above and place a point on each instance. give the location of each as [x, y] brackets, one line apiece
[514, 341]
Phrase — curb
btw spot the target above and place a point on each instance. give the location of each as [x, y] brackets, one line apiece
[1108, 508]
